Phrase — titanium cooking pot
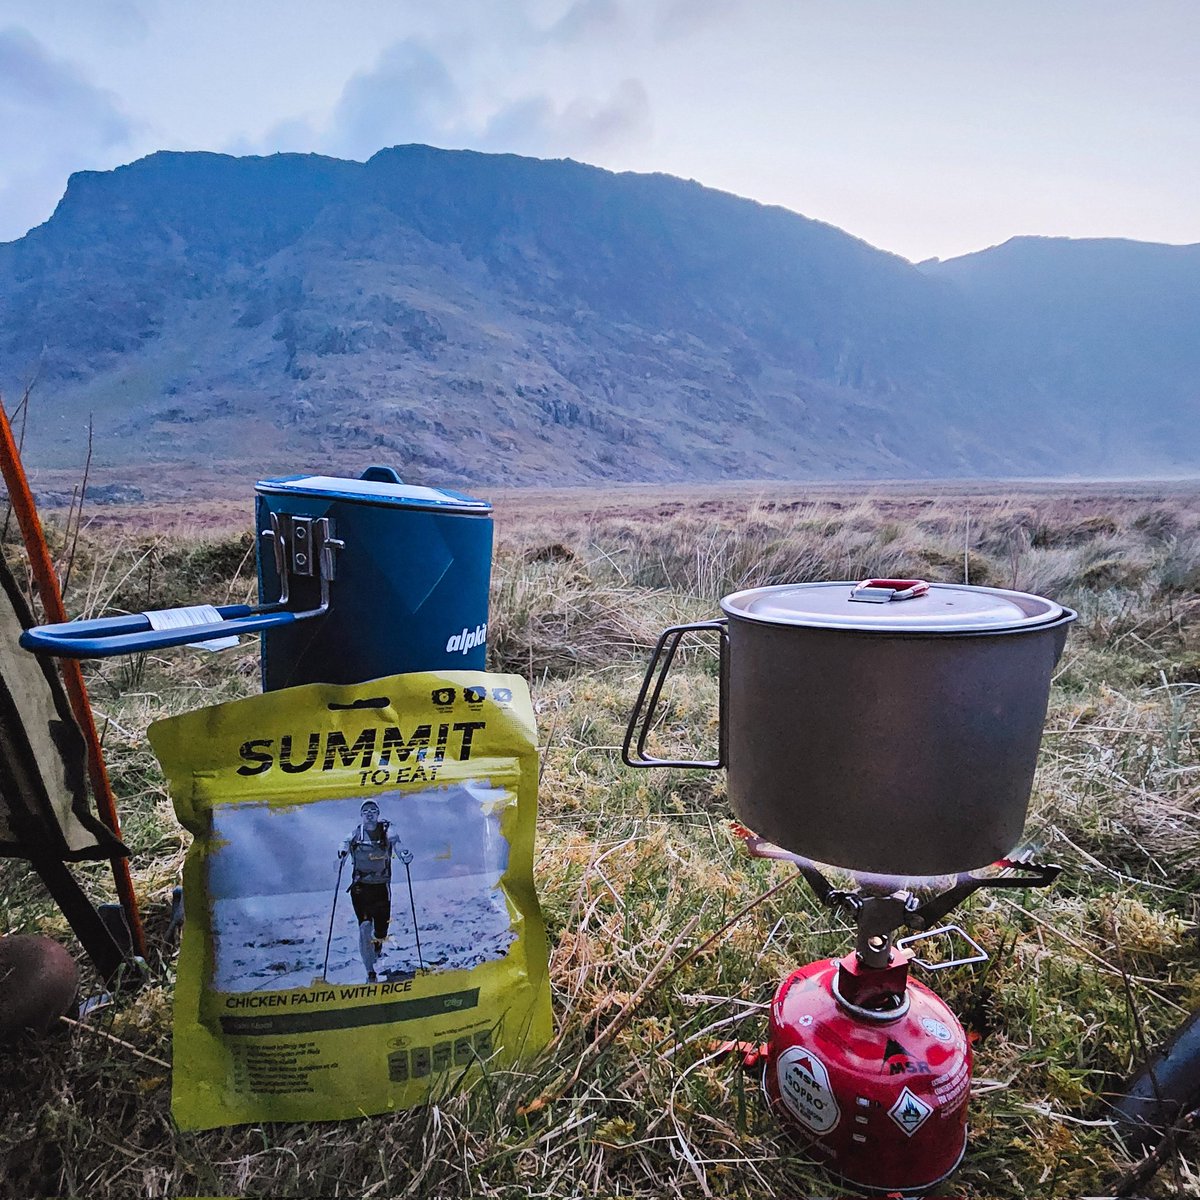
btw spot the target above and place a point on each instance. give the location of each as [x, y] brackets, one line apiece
[890, 726]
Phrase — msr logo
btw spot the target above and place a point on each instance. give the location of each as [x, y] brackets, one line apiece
[467, 640]
[804, 1088]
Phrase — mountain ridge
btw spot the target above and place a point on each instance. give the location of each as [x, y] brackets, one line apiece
[513, 320]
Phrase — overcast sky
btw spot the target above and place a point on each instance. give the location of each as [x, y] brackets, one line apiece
[927, 127]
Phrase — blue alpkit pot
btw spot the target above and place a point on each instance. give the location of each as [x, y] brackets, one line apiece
[410, 585]
[358, 578]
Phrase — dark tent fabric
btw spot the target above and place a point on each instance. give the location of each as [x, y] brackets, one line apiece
[44, 812]
[43, 759]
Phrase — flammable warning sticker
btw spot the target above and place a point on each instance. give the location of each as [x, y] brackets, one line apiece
[910, 1112]
[804, 1089]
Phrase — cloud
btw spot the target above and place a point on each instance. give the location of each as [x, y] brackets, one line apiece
[408, 96]
[124, 18]
[587, 20]
[35, 87]
[581, 126]
[295, 135]
[53, 121]
[100, 22]
[678, 19]
[412, 95]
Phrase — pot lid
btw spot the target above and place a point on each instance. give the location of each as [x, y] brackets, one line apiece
[378, 485]
[892, 606]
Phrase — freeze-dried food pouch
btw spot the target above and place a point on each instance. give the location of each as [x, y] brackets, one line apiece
[362, 926]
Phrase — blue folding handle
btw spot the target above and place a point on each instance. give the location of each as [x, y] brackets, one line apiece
[134, 634]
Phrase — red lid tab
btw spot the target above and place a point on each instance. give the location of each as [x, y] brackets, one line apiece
[879, 591]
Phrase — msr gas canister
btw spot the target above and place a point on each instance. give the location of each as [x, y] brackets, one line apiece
[358, 578]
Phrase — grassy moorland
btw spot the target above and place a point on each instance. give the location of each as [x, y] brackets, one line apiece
[1083, 976]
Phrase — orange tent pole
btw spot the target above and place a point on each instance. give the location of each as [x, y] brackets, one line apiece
[52, 602]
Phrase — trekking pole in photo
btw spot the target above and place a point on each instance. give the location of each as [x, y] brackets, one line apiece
[413, 905]
[332, 912]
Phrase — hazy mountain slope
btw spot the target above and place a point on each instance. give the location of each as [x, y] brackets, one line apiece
[501, 319]
[1105, 329]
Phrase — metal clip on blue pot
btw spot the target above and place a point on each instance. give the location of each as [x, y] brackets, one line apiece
[302, 546]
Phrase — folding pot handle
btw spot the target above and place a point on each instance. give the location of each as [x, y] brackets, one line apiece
[134, 634]
[640, 725]
[303, 547]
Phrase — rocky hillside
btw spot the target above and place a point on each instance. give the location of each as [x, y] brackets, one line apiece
[495, 319]
[1105, 333]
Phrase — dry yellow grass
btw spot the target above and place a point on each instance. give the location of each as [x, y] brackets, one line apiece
[629, 861]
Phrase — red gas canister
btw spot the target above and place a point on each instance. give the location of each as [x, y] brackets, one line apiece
[872, 1070]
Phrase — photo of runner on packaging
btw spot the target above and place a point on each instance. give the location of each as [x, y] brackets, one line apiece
[370, 848]
[281, 914]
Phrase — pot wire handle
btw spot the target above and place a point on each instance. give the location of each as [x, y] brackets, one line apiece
[639, 726]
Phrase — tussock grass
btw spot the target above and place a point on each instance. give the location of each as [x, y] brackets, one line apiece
[1083, 976]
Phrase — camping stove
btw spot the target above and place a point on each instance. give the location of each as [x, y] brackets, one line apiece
[867, 1065]
[912, 712]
